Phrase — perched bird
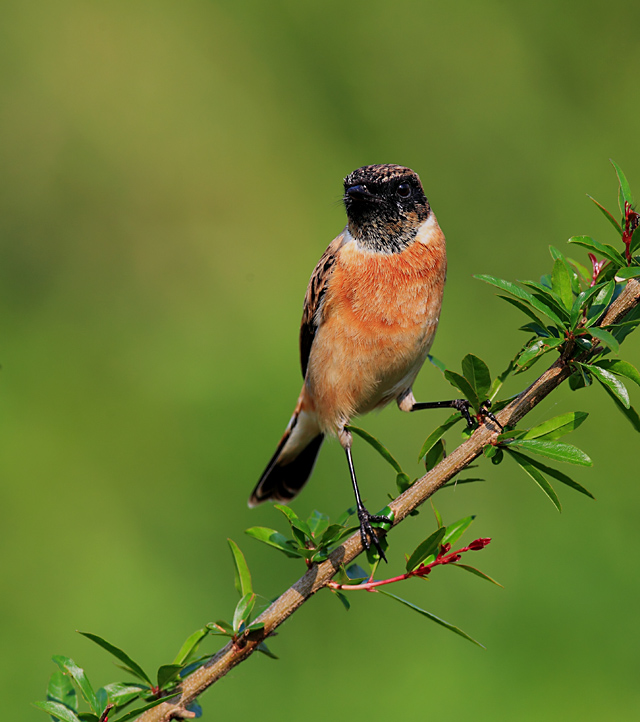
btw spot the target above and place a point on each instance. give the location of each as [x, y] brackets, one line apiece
[370, 315]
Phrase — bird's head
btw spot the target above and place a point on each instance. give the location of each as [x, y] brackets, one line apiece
[386, 206]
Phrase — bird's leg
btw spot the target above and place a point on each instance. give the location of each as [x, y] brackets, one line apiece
[367, 532]
[408, 403]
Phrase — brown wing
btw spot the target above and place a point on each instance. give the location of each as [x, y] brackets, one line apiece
[314, 300]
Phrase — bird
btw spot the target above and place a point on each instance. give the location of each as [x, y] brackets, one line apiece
[369, 319]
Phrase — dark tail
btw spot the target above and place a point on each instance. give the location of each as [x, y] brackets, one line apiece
[289, 468]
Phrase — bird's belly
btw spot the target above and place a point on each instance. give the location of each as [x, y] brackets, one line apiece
[356, 373]
[377, 331]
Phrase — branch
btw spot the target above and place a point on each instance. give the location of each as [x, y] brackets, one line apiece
[319, 575]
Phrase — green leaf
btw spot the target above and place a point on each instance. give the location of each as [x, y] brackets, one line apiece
[121, 693]
[61, 690]
[624, 274]
[559, 476]
[489, 451]
[620, 368]
[345, 516]
[574, 273]
[437, 434]
[336, 533]
[373, 555]
[561, 282]
[429, 546]
[355, 573]
[625, 190]
[623, 329]
[431, 616]
[220, 627]
[242, 574]
[476, 371]
[435, 455]
[609, 381]
[382, 450]
[318, 523]
[457, 482]
[478, 573]
[300, 528]
[461, 383]
[537, 349]
[630, 413]
[531, 352]
[195, 708]
[262, 647]
[132, 666]
[602, 249]
[403, 482]
[67, 665]
[243, 611]
[542, 331]
[274, 539]
[440, 365]
[522, 295]
[605, 338]
[549, 298]
[456, 530]
[522, 307]
[553, 450]
[583, 272]
[190, 646]
[101, 696]
[168, 673]
[525, 464]
[582, 303]
[389, 518]
[343, 598]
[607, 215]
[600, 302]
[555, 253]
[59, 711]
[556, 427]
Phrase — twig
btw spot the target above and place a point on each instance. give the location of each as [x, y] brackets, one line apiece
[319, 575]
[445, 556]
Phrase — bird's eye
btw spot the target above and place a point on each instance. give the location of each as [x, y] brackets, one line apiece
[403, 190]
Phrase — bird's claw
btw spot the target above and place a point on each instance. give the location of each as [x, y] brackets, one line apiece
[463, 406]
[484, 411]
[367, 531]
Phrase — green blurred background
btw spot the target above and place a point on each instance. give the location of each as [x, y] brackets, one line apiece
[171, 172]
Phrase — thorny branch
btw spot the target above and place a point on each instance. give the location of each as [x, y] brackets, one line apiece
[320, 575]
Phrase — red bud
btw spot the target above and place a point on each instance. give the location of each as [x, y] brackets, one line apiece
[479, 544]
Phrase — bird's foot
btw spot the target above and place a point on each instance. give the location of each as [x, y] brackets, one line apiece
[484, 411]
[367, 531]
[463, 406]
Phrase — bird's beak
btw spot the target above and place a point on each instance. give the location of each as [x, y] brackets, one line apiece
[359, 193]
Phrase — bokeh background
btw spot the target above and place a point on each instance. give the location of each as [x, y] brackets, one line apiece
[170, 173]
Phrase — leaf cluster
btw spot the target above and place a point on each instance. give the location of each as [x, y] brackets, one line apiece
[69, 685]
[312, 540]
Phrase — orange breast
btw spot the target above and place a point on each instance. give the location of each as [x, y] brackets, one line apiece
[379, 318]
